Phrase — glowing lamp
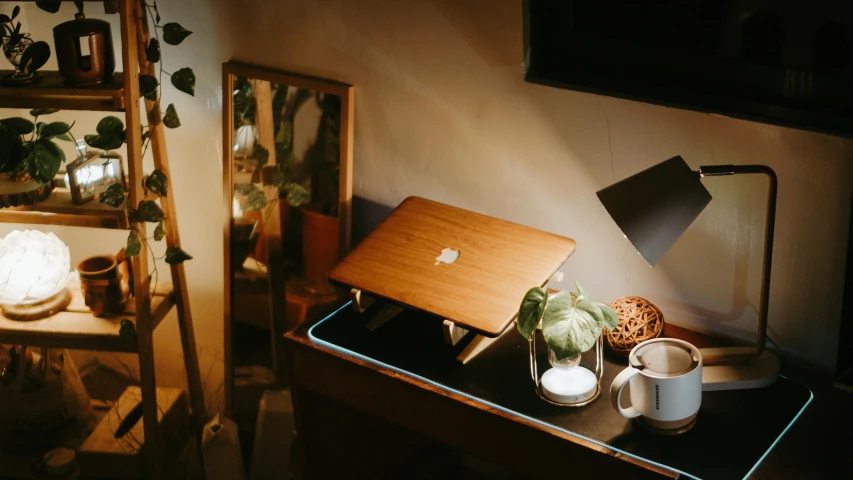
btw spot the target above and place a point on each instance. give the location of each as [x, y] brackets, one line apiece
[34, 270]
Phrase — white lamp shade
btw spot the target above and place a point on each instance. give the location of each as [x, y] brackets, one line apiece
[34, 266]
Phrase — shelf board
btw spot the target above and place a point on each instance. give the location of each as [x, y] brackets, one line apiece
[51, 92]
[77, 329]
[58, 209]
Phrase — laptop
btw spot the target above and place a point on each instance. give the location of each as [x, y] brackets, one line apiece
[463, 266]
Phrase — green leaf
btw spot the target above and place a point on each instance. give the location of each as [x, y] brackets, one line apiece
[110, 126]
[51, 6]
[159, 232]
[152, 52]
[148, 87]
[15, 12]
[54, 129]
[133, 245]
[256, 200]
[5, 18]
[296, 194]
[568, 330]
[531, 310]
[111, 134]
[184, 80]
[113, 196]
[261, 154]
[149, 211]
[37, 112]
[171, 118]
[34, 57]
[18, 125]
[175, 255]
[156, 182]
[174, 33]
[10, 150]
[45, 160]
[66, 137]
[127, 330]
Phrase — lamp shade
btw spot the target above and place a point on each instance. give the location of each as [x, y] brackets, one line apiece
[654, 207]
[34, 266]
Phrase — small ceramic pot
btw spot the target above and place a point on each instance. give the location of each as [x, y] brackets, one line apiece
[101, 285]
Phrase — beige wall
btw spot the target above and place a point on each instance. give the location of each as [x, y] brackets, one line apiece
[442, 111]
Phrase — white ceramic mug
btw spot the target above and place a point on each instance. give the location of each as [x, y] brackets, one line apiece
[666, 383]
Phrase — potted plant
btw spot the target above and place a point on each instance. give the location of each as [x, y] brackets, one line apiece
[572, 324]
[23, 53]
[29, 157]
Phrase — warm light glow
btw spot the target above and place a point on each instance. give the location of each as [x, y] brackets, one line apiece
[34, 266]
[236, 211]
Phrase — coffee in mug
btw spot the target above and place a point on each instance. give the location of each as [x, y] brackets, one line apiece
[665, 375]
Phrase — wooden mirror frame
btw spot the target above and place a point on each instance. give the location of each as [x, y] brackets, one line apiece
[272, 229]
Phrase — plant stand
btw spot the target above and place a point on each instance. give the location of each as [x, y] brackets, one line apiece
[80, 329]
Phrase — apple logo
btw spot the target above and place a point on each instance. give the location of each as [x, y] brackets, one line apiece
[448, 255]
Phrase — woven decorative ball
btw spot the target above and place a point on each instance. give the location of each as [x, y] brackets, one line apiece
[639, 320]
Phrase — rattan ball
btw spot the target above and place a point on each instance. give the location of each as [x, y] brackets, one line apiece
[639, 320]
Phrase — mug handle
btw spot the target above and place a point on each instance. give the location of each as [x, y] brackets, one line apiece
[616, 392]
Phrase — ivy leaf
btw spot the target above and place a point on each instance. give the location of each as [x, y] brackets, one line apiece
[18, 125]
[152, 52]
[174, 33]
[54, 129]
[133, 245]
[127, 330]
[184, 80]
[149, 211]
[148, 86]
[113, 196]
[51, 6]
[5, 18]
[45, 160]
[256, 201]
[171, 118]
[37, 112]
[34, 57]
[261, 154]
[174, 256]
[568, 330]
[111, 134]
[15, 12]
[156, 182]
[159, 232]
[531, 310]
[66, 137]
[296, 194]
[110, 126]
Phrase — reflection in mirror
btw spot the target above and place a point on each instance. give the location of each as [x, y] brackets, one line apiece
[288, 193]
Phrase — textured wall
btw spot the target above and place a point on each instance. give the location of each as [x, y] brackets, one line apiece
[442, 111]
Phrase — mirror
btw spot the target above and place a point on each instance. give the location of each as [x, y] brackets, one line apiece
[288, 189]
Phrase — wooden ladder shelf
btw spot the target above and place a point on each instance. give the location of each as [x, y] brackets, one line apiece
[75, 328]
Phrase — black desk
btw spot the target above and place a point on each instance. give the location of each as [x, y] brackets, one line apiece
[734, 431]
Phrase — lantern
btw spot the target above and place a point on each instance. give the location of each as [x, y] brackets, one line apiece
[84, 50]
[34, 270]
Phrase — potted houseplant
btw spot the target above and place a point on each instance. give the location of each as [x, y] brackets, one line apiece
[29, 157]
[572, 324]
[23, 53]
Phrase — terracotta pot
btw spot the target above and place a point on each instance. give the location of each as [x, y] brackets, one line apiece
[101, 285]
[319, 245]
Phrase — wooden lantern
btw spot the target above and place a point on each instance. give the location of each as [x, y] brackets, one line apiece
[84, 50]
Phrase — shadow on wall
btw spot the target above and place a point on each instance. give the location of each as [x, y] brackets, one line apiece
[366, 215]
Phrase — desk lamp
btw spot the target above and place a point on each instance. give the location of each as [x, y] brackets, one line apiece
[654, 208]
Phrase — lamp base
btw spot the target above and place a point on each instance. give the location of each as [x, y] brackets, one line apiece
[757, 373]
[35, 311]
[569, 387]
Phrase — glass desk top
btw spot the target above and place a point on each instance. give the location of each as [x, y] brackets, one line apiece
[733, 433]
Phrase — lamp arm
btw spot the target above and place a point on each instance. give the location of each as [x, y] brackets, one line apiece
[719, 170]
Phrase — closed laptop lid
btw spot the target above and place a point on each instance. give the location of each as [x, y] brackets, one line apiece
[466, 267]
